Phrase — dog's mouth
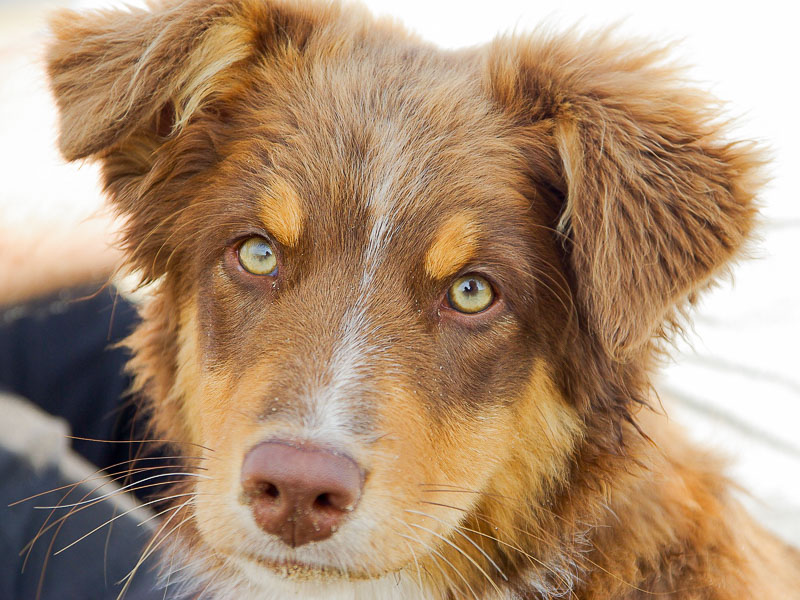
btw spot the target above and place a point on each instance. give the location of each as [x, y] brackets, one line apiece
[298, 570]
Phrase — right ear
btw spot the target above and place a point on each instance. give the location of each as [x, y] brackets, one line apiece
[129, 83]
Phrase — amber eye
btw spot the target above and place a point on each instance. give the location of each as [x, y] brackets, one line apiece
[470, 294]
[257, 257]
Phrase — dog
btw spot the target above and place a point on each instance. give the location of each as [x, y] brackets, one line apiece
[406, 303]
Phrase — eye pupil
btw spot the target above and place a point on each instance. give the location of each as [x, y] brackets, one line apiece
[262, 251]
[471, 287]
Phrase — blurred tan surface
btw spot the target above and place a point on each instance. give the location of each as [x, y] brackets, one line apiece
[53, 230]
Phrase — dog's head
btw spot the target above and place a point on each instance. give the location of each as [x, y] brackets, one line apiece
[405, 298]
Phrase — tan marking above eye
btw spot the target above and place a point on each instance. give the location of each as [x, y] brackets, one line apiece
[470, 294]
[454, 246]
[257, 256]
[281, 212]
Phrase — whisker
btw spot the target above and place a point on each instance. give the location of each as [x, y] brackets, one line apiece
[460, 551]
[480, 518]
[45, 562]
[457, 489]
[464, 510]
[194, 496]
[44, 526]
[416, 563]
[105, 472]
[151, 547]
[466, 537]
[119, 516]
[631, 585]
[209, 584]
[448, 581]
[131, 455]
[125, 488]
[28, 548]
[512, 546]
[94, 502]
[169, 576]
[440, 555]
[105, 481]
[568, 309]
[150, 441]
[532, 559]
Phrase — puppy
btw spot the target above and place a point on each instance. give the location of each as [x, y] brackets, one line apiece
[407, 302]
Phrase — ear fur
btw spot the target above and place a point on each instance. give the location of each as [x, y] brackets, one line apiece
[111, 72]
[656, 201]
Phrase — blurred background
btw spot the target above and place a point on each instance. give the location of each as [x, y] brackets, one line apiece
[734, 382]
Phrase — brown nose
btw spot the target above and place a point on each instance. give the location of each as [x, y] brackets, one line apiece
[300, 493]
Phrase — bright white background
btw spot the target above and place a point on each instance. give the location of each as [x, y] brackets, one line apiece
[736, 381]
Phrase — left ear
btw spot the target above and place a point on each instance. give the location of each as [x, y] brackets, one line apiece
[112, 72]
[655, 200]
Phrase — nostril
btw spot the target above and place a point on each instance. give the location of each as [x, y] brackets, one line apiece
[323, 501]
[256, 488]
[271, 491]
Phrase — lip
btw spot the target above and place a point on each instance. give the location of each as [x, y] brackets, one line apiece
[298, 570]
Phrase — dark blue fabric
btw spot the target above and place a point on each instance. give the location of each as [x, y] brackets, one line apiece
[91, 569]
[59, 353]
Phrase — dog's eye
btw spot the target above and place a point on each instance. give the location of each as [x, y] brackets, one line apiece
[257, 257]
[470, 294]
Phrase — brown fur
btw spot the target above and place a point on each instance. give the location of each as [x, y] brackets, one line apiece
[510, 454]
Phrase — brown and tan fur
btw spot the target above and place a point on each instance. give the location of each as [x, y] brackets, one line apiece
[509, 454]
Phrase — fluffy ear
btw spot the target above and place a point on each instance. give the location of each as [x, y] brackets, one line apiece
[114, 72]
[655, 200]
[117, 72]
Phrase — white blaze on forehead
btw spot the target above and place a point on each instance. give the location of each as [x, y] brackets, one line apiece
[332, 405]
[379, 238]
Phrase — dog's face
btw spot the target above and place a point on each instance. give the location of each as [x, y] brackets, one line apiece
[403, 294]
[374, 285]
